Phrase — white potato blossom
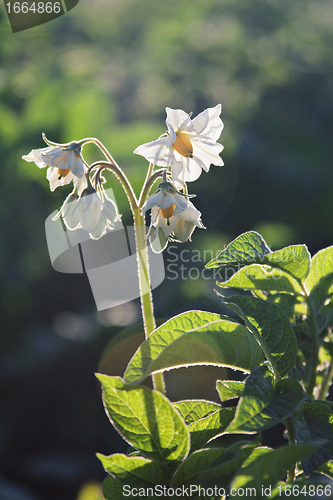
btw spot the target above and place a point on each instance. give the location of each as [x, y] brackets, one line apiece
[64, 163]
[173, 216]
[189, 146]
[91, 212]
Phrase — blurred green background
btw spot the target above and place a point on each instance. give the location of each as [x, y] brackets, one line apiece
[108, 69]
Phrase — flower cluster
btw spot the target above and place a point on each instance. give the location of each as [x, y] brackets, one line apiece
[85, 207]
[188, 147]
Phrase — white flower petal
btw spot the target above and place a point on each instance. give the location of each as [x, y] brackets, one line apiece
[187, 171]
[89, 208]
[151, 201]
[158, 241]
[110, 211]
[206, 155]
[191, 214]
[76, 164]
[178, 120]
[80, 183]
[209, 123]
[183, 230]
[69, 214]
[57, 180]
[36, 156]
[100, 229]
[157, 152]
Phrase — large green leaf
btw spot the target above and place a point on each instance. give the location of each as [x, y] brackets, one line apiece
[146, 419]
[250, 248]
[229, 389]
[314, 424]
[271, 328]
[265, 403]
[321, 266]
[194, 338]
[261, 277]
[213, 466]
[266, 471]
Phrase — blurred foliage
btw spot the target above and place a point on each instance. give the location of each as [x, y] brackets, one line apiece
[107, 69]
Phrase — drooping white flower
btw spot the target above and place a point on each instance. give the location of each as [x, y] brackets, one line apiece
[64, 163]
[92, 212]
[173, 216]
[188, 146]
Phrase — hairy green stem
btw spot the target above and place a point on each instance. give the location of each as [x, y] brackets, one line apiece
[150, 179]
[326, 382]
[117, 171]
[292, 440]
[147, 307]
[315, 357]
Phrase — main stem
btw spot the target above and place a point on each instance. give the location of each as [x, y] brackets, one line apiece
[315, 333]
[147, 307]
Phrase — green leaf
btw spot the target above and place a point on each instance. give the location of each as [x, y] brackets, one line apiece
[314, 424]
[112, 489]
[327, 469]
[267, 470]
[210, 427]
[271, 328]
[146, 419]
[212, 466]
[257, 452]
[250, 248]
[205, 420]
[321, 266]
[229, 389]
[194, 338]
[265, 403]
[247, 248]
[325, 318]
[290, 304]
[135, 471]
[321, 292]
[260, 277]
[193, 410]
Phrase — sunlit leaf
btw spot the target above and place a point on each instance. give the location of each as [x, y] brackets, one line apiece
[229, 389]
[146, 419]
[321, 266]
[134, 471]
[250, 248]
[194, 338]
[265, 403]
[195, 409]
[261, 277]
[268, 469]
